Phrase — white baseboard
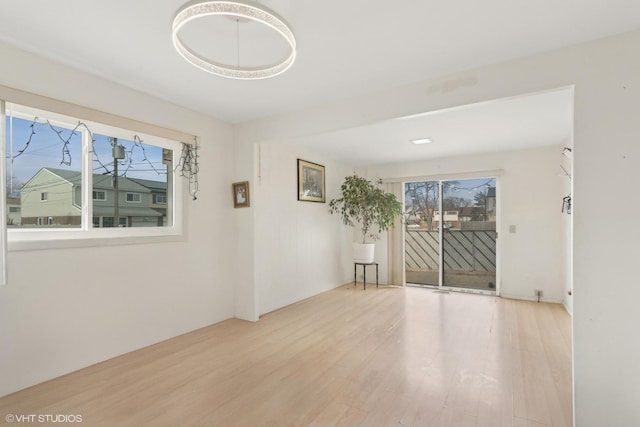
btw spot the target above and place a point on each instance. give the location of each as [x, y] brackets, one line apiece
[532, 298]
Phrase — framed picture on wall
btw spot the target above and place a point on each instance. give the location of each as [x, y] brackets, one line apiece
[240, 194]
[311, 182]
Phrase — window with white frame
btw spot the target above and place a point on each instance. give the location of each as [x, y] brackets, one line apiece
[134, 197]
[63, 160]
[160, 199]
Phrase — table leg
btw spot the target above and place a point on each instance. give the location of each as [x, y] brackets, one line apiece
[355, 267]
[376, 275]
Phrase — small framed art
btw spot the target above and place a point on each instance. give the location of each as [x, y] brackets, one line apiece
[240, 194]
[311, 182]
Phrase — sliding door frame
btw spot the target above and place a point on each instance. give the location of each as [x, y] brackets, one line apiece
[493, 174]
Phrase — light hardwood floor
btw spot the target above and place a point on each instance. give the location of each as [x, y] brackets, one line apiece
[348, 357]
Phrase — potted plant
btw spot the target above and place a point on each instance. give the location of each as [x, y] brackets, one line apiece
[373, 209]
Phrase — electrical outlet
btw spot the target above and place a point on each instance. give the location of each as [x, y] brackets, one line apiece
[537, 293]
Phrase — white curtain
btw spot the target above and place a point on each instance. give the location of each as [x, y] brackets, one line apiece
[396, 241]
[3, 199]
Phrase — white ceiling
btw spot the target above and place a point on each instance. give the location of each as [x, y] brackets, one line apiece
[527, 121]
[346, 48]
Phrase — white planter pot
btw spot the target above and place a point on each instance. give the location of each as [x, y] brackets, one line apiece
[363, 252]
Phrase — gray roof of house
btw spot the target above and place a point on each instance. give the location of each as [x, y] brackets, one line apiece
[152, 185]
[105, 182]
[74, 177]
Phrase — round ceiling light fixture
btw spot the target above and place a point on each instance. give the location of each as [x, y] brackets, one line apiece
[238, 10]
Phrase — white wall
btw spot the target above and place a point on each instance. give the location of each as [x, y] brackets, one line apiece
[246, 302]
[64, 309]
[606, 168]
[300, 249]
[530, 196]
[605, 253]
[567, 188]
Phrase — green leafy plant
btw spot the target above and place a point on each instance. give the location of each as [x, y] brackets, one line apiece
[366, 204]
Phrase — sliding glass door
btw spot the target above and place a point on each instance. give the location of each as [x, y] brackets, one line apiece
[422, 236]
[450, 238]
[469, 234]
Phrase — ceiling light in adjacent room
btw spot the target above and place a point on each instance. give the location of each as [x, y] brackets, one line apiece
[241, 12]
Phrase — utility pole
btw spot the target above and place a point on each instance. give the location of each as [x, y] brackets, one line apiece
[118, 153]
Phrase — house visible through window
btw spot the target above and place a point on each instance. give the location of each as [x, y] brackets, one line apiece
[129, 174]
[109, 221]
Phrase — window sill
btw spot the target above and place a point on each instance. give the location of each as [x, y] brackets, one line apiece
[26, 240]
